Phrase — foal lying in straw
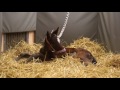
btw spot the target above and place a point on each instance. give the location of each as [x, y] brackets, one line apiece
[53, 49]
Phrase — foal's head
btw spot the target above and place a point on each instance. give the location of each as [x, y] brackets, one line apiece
[53, 40]
[52, 48]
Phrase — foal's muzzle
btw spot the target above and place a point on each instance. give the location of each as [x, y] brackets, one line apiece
[94, 61]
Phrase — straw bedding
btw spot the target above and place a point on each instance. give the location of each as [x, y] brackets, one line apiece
[108, 65]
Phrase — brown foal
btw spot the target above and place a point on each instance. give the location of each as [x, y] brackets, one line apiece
[52, 49]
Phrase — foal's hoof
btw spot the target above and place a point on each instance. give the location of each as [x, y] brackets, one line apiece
[17, 59]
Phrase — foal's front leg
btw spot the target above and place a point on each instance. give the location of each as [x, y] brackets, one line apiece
[35, 56]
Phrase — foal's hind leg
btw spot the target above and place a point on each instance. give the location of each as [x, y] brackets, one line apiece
[23, 55]
[35, 56]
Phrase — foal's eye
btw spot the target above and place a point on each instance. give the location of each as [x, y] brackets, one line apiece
[54, 35]
[89, 56]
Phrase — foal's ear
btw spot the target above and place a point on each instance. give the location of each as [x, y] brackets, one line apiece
[56, 31]
[48, 35]
[46, 41]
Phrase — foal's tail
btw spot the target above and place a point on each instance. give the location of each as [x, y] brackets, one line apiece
[22, 55]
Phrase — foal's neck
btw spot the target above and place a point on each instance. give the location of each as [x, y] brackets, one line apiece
[70, 50]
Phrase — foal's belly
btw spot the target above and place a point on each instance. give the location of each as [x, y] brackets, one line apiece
[72, 54]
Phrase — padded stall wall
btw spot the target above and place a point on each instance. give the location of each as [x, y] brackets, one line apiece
[0, 31]
[109, 30]
[79, 24]
[19, 21]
